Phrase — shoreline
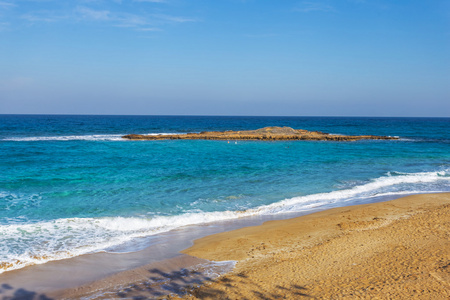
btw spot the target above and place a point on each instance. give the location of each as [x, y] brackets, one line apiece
[399, 249]
[249, 246]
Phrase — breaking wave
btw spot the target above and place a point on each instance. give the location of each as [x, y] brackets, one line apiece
[34, 243]
[91, 137]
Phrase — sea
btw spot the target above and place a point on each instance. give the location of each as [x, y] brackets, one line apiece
[70, 185]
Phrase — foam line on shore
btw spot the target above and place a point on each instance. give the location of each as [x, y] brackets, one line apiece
[63, 238]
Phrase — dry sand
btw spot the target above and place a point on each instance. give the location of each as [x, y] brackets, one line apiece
[398, 249]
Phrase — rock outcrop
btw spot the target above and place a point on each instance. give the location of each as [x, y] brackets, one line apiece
[263, 134]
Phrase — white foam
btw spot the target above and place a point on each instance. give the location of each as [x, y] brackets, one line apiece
[33, 243]
[377, 187]
[165, 133]
[37, 243]
[90, 137]
[93, 137]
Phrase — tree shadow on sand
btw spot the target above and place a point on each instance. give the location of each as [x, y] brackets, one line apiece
[162, 283]
[7, 292]
[192, 282]
[256, 292]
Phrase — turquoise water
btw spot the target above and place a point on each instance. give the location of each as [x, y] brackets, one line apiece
[70, 185]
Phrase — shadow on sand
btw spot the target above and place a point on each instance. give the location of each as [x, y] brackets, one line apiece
[188, 282]
[167, 285]
[7, 292]
[161, 284]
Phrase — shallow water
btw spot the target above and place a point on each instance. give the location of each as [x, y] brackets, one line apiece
[70, 185]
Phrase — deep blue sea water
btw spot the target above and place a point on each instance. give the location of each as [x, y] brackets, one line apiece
[70, 185]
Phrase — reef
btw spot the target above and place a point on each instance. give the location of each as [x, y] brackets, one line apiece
[263, 134]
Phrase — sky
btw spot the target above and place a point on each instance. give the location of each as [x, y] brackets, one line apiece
[226, 57]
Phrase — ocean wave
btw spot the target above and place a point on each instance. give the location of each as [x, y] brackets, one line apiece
[27, 244]
[90, 137]
[93, 137]
[389, 185]
[424, 140]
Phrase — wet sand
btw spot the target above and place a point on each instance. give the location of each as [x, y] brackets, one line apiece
[398, 249]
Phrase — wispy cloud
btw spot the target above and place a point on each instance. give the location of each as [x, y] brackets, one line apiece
[307, 7]
[129, 20]
[4, 4]
[44, 16]
[92, 14]
[262, 35]
[149, 29]
[116, 19]
[358, 1]
[117, 14]
[4, 26]
[174, 19]
[152, 1]
[90, 1]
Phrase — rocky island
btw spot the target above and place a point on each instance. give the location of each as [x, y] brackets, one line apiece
[263, 134]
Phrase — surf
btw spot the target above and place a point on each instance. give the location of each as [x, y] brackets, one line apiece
[25, 244]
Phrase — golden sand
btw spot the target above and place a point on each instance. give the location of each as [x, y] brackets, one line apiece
[398, 249]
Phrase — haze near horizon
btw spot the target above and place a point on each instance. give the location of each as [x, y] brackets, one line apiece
[227, 57]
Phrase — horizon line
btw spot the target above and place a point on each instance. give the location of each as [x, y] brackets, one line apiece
[204, 115]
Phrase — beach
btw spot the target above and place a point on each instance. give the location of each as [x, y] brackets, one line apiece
[398, 249]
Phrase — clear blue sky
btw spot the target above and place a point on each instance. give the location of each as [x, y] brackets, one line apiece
[226, 57]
